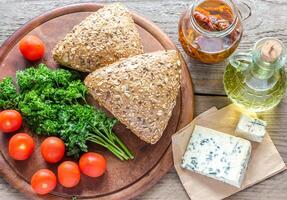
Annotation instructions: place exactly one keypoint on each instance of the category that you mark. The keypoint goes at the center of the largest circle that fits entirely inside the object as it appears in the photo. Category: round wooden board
(123, 180)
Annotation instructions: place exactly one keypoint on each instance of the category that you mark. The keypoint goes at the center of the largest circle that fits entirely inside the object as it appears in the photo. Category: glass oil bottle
(257, 80)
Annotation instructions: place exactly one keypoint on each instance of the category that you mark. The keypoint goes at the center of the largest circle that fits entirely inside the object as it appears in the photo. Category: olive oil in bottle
(257, 80)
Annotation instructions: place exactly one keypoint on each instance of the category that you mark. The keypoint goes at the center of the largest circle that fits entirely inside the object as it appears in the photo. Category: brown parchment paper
(265, 160)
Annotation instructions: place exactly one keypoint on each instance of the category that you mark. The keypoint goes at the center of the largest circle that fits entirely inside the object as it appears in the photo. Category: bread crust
(139, 91)
(101, 39)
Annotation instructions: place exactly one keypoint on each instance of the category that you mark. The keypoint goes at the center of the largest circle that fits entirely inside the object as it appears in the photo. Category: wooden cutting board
(123, 179)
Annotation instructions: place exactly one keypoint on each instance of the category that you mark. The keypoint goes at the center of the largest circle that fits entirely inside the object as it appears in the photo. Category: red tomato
(69, 174)
(43, 181)
(92, 164)
(32, 48)
(21, 146)
(10, 121)
(53, 149)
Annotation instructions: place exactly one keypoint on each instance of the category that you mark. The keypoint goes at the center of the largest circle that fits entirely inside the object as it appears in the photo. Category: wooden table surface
(269, 18)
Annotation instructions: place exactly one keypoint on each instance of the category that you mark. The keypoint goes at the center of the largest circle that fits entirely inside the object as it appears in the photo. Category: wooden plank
(207, 78)
(170, 188)
(152, 167)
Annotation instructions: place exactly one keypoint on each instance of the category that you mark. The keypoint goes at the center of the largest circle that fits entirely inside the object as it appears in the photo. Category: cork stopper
(271, 50)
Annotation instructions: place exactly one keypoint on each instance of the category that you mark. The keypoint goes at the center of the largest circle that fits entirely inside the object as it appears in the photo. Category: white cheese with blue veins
(251, 128)
(217, 155)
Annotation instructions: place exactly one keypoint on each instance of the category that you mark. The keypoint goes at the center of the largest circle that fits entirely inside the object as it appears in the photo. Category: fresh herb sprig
(8, 94)
(53, 102)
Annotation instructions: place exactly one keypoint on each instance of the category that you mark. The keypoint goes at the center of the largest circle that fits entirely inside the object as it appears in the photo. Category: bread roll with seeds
(101, 39)
(139, 91)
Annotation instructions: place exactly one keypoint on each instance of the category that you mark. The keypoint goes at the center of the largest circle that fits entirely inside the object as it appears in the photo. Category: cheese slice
(251, 128)
(217, 155)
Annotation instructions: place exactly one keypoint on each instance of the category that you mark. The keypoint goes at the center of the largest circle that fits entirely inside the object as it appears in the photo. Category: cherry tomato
(92, 164)
(43, 181)
(21, 146)
(32, 48)
(69, 174)
(53, 149)
(10, 121)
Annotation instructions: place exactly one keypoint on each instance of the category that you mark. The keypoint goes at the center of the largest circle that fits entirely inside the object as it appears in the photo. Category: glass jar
(256, 81)
(210, 45)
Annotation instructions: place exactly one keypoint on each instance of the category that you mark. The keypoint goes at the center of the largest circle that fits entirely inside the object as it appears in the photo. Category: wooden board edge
(163, 166)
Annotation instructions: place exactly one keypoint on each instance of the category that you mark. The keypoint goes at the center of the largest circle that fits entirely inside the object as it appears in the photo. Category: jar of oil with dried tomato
(210, 30)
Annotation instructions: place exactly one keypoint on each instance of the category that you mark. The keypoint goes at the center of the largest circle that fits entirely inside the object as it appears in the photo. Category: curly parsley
(53, 102)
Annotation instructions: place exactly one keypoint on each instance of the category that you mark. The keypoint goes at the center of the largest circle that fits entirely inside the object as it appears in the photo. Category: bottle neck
(263, 70)
(263, 66)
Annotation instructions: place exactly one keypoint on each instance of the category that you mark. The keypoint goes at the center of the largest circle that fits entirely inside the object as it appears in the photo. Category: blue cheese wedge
(251, 128)
(217, 155)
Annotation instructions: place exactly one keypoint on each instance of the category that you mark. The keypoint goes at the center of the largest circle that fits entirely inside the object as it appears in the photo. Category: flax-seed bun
(139, 91)
(101, 39)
